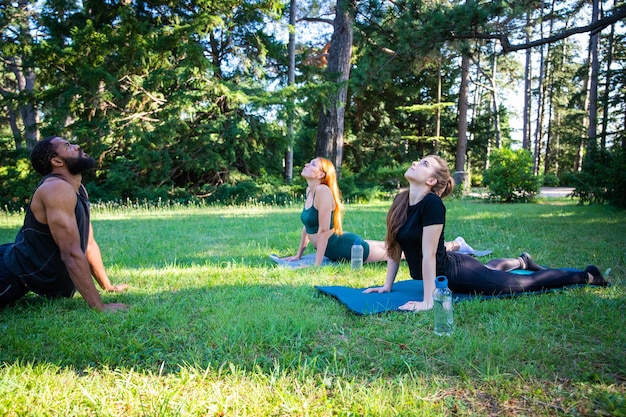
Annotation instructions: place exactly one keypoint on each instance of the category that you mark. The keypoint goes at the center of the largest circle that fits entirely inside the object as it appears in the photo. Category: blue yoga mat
(403, 291)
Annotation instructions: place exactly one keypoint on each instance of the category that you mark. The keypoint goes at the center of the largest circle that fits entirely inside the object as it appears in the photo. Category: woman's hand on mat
(416, 306)
(379, 290)
(291, 258)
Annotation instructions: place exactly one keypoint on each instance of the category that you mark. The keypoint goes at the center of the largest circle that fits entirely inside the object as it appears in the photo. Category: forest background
(218, 100)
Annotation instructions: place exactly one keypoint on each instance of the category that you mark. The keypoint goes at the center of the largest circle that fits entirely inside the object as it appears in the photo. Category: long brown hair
(396, 216)
(330, 179)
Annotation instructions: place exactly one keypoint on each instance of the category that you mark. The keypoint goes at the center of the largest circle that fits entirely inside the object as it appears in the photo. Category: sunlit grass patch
(216, 328)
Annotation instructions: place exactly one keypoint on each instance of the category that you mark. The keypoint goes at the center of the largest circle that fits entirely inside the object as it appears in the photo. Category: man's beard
(79, 165)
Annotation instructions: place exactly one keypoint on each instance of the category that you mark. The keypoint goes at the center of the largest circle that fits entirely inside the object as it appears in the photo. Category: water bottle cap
(441, 282)
(357, 242)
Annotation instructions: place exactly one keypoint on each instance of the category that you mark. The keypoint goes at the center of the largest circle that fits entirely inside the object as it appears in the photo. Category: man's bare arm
(59, 201)
(94, 257)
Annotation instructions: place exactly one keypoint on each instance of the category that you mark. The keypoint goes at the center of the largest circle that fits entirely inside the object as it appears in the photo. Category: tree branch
(316, 20)
(618, 14)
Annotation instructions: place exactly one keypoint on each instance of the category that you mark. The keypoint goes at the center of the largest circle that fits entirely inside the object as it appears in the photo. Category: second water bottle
(356, 259)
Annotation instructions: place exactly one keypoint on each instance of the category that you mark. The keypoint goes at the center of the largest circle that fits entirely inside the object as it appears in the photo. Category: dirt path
(555, 191)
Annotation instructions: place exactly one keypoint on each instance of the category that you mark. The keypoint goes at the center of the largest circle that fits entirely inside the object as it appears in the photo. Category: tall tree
(330, 134)
(526, 133)
(541, 101)
(617, 100)
(461, 145)
(167, 93)
(17, 63)
(291, 77)
(495, 101)
(607, 85)
(594, 68)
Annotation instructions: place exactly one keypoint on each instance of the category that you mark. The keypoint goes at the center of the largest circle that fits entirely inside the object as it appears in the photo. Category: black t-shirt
(428, 212)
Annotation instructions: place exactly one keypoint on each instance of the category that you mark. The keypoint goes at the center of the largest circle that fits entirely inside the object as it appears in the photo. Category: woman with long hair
(322, 216)
(415, 228)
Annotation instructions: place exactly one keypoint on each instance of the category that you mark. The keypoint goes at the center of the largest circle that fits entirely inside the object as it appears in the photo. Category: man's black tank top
(35, 257)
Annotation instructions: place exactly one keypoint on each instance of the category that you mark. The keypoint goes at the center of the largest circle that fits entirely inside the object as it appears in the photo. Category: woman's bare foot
(462, 245)
(529, 264)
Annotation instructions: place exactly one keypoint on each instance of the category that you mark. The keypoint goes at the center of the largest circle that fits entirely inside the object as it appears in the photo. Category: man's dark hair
(42, 154)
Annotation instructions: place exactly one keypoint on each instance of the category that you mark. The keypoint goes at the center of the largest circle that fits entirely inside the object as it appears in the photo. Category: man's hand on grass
(114, 307)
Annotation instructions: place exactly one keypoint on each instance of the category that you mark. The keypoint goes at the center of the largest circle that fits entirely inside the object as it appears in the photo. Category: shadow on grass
(258, 327)
(248, 325)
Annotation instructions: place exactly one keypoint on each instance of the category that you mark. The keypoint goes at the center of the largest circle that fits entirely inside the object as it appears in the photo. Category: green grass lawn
(216, 329)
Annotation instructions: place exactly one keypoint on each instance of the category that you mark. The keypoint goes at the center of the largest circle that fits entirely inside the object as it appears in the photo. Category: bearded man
(55, 253)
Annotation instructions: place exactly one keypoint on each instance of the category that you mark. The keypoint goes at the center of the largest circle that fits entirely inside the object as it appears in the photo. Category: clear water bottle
(442, 297)
(356, 258)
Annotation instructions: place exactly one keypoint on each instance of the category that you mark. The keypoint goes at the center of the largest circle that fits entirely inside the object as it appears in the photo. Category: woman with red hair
(321, 217)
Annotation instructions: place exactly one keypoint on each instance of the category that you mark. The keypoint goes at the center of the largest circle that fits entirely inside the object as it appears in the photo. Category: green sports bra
(310, 219)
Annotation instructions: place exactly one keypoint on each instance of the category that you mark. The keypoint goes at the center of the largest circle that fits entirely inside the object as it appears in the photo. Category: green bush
(17, 179)
(476, 180)
(459, 190)
(617, 177)
(550, 180)
(374, 183)
(510, 177)
(603, 178)
(243, 189)
(568, 179)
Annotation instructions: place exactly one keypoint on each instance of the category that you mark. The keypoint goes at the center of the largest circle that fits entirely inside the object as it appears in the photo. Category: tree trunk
(540, 107)
(291, 76)
(607, 85)
(580, 152)
(25, 80)
(494, 99)
(18, 139)
(438, 116)
(476, 111)
(593, 81)
(527, 89)
(330, 131)
(547, 159)
(546, 103)
(460, 176)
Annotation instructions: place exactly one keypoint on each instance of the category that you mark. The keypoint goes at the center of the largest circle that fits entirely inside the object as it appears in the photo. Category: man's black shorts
(11, 288)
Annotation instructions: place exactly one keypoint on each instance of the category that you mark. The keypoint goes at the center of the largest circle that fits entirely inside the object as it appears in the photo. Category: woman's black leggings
(468, 275)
